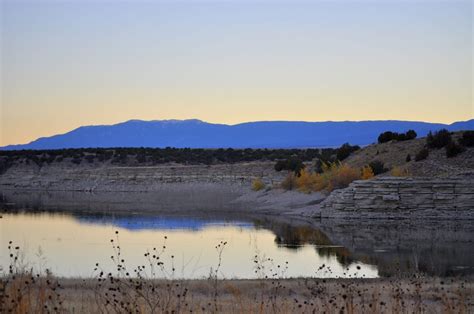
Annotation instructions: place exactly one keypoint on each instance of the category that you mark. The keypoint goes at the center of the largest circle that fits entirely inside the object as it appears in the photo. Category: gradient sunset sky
(70, 63)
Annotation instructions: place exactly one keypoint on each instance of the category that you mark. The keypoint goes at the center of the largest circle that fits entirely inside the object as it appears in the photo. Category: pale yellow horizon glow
(66, 65)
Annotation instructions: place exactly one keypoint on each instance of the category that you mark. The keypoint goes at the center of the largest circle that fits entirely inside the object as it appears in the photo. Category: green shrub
(385, 137)
(439, 139)
(389, 136)
(345, 150)
(291, 164)
(410, 135)
(453, 149)
(467, 139)
(422, 154)
(377, 167)
(408, 158)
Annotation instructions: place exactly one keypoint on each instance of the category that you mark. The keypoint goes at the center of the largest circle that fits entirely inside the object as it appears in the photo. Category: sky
(70, 63)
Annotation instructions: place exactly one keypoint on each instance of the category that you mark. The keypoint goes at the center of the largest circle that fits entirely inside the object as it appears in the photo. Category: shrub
(257, 184)
(467, 139)
(408, 158)
(342, 176)
(377, 167)
(422, 154)
(306, 182)
(367, 173)
(291, 164)
(389, 136)
(289, 183)
(345, 150)
(385, 137)
(439, 139)
(318, 166)
(335, 176)
(410, 135)
(4, 165)
(453, 149)
(399, 172)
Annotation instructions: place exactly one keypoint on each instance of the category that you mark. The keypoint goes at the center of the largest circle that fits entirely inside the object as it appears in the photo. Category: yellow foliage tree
(342, 175)
(306, 181)
(334, 176)
(367, 173)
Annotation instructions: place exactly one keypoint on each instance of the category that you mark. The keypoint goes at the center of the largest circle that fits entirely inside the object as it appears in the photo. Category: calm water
(53, 233)
(71, 245)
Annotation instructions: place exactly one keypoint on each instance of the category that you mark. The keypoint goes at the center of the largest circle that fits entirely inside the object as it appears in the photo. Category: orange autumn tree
(367, 173)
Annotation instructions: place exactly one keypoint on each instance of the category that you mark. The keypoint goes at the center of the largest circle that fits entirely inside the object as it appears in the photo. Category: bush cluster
(394, 136)
(345, 150)
(443, 138)
(334, 176)
(377, 167)
(422, 154)
(294, 165)
(438, 139)
(467, 139)
(154, 156)
(453, 149)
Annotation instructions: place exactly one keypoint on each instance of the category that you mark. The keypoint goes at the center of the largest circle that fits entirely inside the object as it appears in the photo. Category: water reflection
(70, 225)
(143, 222)
(72, 244)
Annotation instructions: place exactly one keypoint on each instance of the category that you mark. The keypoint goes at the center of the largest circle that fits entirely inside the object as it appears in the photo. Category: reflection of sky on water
(72, 246)
(164, 223)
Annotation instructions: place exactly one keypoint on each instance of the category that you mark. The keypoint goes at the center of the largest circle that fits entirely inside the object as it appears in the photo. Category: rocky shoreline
(391, 197)
(226, 187)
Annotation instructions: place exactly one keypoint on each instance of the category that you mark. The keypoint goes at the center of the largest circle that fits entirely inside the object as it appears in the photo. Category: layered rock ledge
(402, 198)
(109, 178)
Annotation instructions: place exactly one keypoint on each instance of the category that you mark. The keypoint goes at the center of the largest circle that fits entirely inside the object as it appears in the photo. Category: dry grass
(258, 184)
(419, 295)
(400, 172)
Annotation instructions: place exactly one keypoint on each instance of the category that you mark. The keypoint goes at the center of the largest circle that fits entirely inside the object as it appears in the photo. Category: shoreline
(203, 197)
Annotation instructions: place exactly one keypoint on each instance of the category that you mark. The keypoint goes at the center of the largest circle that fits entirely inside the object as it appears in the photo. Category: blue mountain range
(263, 134)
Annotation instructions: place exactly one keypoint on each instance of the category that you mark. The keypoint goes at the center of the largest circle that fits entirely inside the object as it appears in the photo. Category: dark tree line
(443, 139)
(394, 136)
(154, 156)
(295, 164)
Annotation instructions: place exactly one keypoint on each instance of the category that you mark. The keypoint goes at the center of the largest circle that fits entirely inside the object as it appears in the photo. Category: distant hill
(199, 134)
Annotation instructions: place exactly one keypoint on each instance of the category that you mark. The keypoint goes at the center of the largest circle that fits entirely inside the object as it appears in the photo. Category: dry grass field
(26, 294)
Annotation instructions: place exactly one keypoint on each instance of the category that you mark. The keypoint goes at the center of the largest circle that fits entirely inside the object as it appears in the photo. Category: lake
(70, 242)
